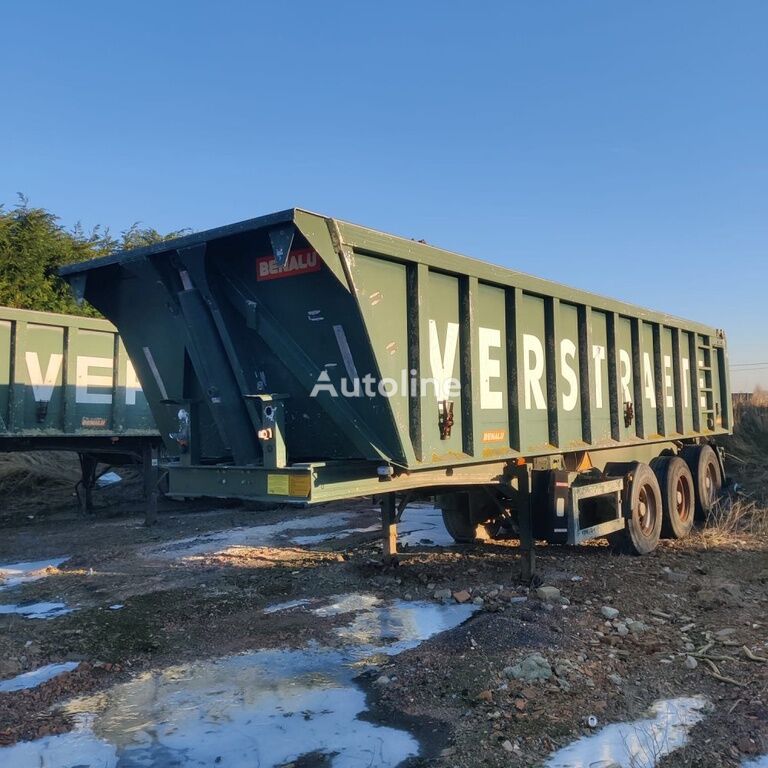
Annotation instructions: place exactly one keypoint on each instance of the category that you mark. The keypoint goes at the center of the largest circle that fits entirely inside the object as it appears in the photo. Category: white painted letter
(648, 385)
(668, 396)
(489, 369)
(598, 355)
(626, 374)
(533, 370)
(442, 364)
(85, 379)
(42, 386)
(132, 384)
(568, 350)
(686, 382)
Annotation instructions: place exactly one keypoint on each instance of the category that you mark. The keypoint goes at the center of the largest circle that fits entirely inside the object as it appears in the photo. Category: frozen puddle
(638, 744)
(13, 574)
(353, 602)
(43, 610)
(318, 538)
(338, 604)
(422, 524)
(265, 708)
(251, 536)
(37, 677)
(394, 627)
(286, 606)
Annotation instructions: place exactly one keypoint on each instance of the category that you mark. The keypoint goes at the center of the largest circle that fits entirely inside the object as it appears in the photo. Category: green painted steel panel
(492, 367)
(282, 303)
(685, 376)
(648, 385)
(444, 366)
(666, 379)
(67, 376)
(570, 425)
(600, 395)
(627, 374)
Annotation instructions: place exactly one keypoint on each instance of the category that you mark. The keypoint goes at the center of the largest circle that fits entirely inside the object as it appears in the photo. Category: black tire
(458, 521)
(707, 477)
(678, 496)
(642, 509)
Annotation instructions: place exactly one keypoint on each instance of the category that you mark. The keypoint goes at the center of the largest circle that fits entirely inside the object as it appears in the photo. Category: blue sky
(616, 146)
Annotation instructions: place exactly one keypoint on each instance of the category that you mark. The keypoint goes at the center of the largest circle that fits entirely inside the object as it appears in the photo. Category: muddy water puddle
(265, 708)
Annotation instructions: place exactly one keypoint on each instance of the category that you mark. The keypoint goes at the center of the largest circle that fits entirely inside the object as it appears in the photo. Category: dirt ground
(149, 598)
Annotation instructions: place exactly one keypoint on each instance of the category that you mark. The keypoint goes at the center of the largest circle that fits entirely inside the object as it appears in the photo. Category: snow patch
(42, 610)
(36, 677)
(637, 744)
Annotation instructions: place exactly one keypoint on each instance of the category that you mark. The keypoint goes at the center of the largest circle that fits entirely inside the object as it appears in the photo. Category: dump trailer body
(295, 357)
(65, 378)
(67, 384)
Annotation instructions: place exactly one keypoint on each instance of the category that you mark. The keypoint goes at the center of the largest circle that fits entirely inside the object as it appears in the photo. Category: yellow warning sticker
(300, 485)
(278, 485)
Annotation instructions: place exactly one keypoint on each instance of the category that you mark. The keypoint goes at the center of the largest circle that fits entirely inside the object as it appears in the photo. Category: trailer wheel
(458, 520)
(678, 497)
(707, 477)
(642, 509)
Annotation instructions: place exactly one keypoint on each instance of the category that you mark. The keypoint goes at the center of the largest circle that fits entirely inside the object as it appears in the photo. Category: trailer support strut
(522, 484)
(88, 465)
(149, 472)
(389, 526)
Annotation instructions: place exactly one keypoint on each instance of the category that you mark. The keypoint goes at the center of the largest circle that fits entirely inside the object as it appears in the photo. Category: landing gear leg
(149, 471)
(389, 527)
(522, 484)
(88, 466)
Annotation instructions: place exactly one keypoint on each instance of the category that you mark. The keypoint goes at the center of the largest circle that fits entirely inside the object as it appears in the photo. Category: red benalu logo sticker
(299, 262)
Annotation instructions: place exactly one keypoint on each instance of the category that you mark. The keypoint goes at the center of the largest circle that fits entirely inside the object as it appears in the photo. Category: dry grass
(42, 483)
(735, 517)
(31, 473)
(744, 512)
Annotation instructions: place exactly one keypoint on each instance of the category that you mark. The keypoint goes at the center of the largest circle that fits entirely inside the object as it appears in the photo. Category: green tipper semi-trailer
(298, 358)
(66, 383)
